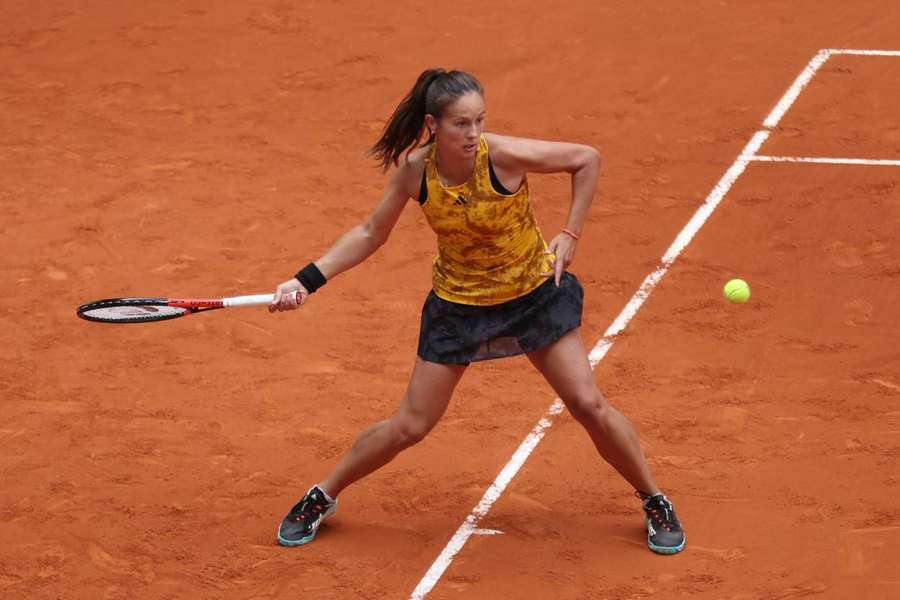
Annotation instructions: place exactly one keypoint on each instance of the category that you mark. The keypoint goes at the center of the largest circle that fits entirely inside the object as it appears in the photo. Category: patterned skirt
(452, 333)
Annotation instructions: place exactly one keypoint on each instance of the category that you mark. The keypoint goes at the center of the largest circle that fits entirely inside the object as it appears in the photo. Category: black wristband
(311, 277)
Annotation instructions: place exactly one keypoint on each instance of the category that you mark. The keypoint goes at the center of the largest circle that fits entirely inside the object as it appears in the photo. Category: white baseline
(824, 160)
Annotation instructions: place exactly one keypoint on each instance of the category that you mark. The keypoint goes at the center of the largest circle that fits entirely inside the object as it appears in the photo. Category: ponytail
(432, 92)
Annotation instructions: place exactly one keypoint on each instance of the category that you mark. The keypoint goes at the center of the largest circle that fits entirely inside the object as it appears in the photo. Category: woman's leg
(427, 396)
(564, 364)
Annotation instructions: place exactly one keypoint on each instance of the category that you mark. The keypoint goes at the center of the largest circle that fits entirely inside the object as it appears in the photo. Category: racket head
(131, 310)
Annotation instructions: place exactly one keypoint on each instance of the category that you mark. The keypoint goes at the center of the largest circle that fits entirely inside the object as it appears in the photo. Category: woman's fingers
(560, 267)
(289, 301)
(561, 251)
(552, 270)
(276, 301)
(551, 258)
(290, 295)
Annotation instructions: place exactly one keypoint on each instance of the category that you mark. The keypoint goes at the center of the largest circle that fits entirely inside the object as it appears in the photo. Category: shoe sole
(666, 549)
(292, 543)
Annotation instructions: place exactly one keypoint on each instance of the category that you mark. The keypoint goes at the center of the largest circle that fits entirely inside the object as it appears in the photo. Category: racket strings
(135, 312)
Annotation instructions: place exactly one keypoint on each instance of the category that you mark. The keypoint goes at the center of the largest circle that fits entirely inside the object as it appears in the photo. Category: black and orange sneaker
(301, 524)
(665, 535)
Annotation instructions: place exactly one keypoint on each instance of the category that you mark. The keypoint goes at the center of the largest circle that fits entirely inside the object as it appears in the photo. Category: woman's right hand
(289, 295)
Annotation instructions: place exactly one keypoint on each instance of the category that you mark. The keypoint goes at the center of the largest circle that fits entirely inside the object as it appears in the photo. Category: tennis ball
(737, 291)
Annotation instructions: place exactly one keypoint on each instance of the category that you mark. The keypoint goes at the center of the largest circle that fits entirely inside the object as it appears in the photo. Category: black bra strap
(498, 187)
(423, 189)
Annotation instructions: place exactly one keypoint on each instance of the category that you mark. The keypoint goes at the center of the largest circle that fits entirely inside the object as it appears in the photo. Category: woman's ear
(431, 124)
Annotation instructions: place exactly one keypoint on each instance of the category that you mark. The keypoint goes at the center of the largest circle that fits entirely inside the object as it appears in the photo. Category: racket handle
(255, 300)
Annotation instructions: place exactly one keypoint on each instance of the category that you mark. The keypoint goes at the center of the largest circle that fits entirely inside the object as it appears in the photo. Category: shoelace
(309, 507)
(655, 504)
(666, 522)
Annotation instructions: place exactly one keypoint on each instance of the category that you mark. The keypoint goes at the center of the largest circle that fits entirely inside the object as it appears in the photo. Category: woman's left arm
(538, 156)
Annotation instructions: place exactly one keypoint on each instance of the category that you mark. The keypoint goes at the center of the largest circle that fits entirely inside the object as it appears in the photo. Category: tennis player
(498, 289)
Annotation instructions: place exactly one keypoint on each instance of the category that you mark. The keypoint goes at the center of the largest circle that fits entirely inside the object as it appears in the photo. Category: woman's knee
(409, 430)
(588, 405)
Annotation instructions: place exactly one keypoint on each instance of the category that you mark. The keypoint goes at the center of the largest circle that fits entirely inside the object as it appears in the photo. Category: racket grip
(255, 300)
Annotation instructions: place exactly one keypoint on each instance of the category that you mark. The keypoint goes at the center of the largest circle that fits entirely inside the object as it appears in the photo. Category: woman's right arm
(358, 243)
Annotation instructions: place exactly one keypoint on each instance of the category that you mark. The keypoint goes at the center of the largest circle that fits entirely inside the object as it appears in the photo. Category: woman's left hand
(562, 252)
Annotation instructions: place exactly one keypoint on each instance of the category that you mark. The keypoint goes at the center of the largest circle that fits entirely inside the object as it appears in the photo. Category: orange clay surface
(210, 148)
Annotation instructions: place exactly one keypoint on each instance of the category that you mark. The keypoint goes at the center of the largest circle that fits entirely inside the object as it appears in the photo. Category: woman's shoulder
(414, 162)
(504, 144)
(412, 168)
(501, 147)
(495, 140)
(416, 158)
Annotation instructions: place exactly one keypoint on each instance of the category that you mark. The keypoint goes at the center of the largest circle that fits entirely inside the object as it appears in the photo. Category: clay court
(210, 149)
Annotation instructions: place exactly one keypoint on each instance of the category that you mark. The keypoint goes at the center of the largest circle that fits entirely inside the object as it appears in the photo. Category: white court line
(862, 52)
(469, 526)
(821, 160)
(807, 74)
(791, 94)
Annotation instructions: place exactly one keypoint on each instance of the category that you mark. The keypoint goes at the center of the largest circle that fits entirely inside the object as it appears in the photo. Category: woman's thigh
(565, 366)
(429, 391)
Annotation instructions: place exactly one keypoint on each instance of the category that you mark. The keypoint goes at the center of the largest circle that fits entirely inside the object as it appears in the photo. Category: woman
(498, 289)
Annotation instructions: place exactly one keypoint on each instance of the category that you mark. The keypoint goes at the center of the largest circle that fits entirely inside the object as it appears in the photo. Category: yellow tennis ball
(737, 291)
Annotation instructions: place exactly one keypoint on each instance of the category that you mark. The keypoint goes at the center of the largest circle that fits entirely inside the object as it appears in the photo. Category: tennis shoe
(665, 535)
(303, 521)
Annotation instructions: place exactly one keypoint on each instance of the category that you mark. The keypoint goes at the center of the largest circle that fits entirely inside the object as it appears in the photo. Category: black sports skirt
(453, 333)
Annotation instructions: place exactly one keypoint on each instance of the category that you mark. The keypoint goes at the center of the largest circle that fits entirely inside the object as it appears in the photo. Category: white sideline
(469, 526)
(791, 94)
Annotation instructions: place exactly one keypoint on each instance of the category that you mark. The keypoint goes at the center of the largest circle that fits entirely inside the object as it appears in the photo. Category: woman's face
(458, 130)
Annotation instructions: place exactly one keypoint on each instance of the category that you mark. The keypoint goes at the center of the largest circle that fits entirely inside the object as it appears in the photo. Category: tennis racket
(146, 310)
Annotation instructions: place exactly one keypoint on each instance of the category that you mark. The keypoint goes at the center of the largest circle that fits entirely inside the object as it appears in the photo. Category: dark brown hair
(434, 90)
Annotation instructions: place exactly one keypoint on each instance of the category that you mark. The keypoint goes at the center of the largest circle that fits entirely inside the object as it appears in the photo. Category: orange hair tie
(572, 233)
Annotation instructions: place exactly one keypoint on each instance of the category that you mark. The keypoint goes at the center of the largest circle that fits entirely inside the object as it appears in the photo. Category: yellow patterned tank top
(490, 249)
